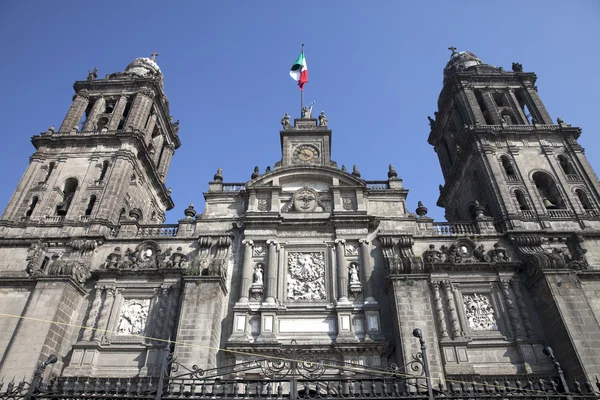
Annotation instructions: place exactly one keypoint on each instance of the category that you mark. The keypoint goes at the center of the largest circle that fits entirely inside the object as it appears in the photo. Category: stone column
(272, 272)
(171, 312)
(246, 271)
(490, 104)
(367, 270)
(517, 108)
(97, 109)
(140, 109)
(537, 108)
(80, 103)
(90, 323)
(150, 127)
(452, 309)
(512, 310)
(439, 308)
(342, 269)
(100, 331)
(165, 161)
(115, 118)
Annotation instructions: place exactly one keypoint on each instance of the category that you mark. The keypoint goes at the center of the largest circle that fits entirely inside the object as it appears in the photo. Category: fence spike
(441, 386)
(452, 387)
(506, 385)
(279, 390)
(396, 389)
(1, 383)
(589, 386)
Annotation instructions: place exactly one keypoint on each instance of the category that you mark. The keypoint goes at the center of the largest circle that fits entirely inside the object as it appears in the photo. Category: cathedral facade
(307, 253)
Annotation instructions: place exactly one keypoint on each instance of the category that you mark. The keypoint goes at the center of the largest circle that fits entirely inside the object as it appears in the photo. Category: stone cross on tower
(452, 49)
(153, 56)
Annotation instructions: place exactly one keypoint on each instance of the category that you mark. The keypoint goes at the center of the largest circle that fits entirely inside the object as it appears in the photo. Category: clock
(305, 153)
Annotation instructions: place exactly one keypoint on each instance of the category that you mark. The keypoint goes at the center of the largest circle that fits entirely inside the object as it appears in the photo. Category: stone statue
(323, 119)
(431, 122)
(354, 273)
(517, 67)
(285, 121)
(559, 121)
(258, 275)
(92, 74)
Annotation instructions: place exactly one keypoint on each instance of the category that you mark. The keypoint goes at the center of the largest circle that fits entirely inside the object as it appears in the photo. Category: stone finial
(190, 212)
(344, 168)
(268, 169)
(559, 121)
(421, 210)
(170, 190)
(392, 174)
(478, 209)
(441, 187)
(92, 74)
(431, 122)
(285, 121)
(355, 171)
(50, 130)
(255, 174)
(517, 67)
(323, 121)
(218, 177)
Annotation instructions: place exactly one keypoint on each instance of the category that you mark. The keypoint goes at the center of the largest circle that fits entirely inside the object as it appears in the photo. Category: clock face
(305, 153)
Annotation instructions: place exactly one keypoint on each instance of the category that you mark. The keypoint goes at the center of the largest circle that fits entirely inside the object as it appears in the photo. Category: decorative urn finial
(355, 171)
(255, 174)
(392, 174)
(421, 210)
(190, 212)
(218, 176)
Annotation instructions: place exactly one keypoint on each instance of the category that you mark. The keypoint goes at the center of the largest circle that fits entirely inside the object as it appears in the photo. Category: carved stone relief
(258, 250)
(263, 205)
(306, 276)
(348, 204)
(305, 200)
(133, 317)
(352, 249)
(480, 313)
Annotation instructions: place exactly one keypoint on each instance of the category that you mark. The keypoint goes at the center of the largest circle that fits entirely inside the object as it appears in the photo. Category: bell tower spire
(109, 159)
(499, 149)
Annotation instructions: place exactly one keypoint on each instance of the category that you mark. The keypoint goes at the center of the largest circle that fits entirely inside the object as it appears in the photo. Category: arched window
(585, 202)
(50, 169)
(548, 191)
(125, 114)
(482, 106)
(32, 205)
(90, 207)
(521, 200)
(566, 165)
(508, 168)
(103, 172)
(68, 193)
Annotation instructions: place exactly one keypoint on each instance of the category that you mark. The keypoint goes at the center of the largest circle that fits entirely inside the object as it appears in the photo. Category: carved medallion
(133, 317)
(305, 200)
(480, 313)
(306, 276)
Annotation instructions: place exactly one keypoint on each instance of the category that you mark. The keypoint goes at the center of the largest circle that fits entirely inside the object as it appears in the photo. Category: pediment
(320, 178)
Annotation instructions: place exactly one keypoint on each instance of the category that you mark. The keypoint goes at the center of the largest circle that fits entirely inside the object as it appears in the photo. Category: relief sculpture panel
(306, 276)
(133, 317)
(480, 313)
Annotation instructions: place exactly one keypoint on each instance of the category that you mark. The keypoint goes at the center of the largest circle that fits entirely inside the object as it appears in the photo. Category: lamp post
(548, 352)
(37, 375)
(419, 334)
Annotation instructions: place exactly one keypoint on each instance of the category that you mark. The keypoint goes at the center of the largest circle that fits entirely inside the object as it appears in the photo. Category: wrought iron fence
(295, 374)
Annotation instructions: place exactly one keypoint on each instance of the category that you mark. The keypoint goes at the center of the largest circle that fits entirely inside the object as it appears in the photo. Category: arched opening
(102, 123)
(523, 206)
(483, 107)
(523, 104)
(125, 114)
(548, 191)
(32, 205)
(51, 167)
(507, 117)
(566, 165)
(90, 207)
(583, 199)
(103, 172)
(508, 168)
(68, 193)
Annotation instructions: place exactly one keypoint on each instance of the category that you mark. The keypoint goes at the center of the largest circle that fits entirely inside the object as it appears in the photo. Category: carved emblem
(258, 250)
(79, 270)
(348, 204)
(480, 313)
(498, 254)
(133, 317)
(306, 276)
(263, 205)
(305, 200)
(351, 249)
(35, 258)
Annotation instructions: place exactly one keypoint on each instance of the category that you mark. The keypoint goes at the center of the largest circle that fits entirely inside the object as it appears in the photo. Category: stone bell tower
(107, 162)
(503, 157)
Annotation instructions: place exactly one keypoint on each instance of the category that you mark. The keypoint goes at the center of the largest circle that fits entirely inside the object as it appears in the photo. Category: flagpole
(301, 90)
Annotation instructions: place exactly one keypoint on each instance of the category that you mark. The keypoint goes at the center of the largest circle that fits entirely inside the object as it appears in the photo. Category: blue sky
(375, 68)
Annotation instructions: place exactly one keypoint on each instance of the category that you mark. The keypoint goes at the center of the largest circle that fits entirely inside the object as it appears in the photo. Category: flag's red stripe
(303, 79)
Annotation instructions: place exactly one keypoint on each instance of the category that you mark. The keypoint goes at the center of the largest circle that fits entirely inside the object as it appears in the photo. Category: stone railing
(54, 219)
(512, 178)
(516, 127)
(378, 185)
(167, 230)
(234, 187)
(84, 218)
(527, 214)
(573, 177)
(454, 228)
(560, 213)
(591, 213)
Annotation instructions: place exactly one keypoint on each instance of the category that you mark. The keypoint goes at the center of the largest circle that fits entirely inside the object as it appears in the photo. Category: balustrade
(560, 213)
(158, 230)
(454, 228)
(378, 185)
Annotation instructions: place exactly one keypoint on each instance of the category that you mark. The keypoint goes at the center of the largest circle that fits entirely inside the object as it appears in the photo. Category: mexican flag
(299, 71)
